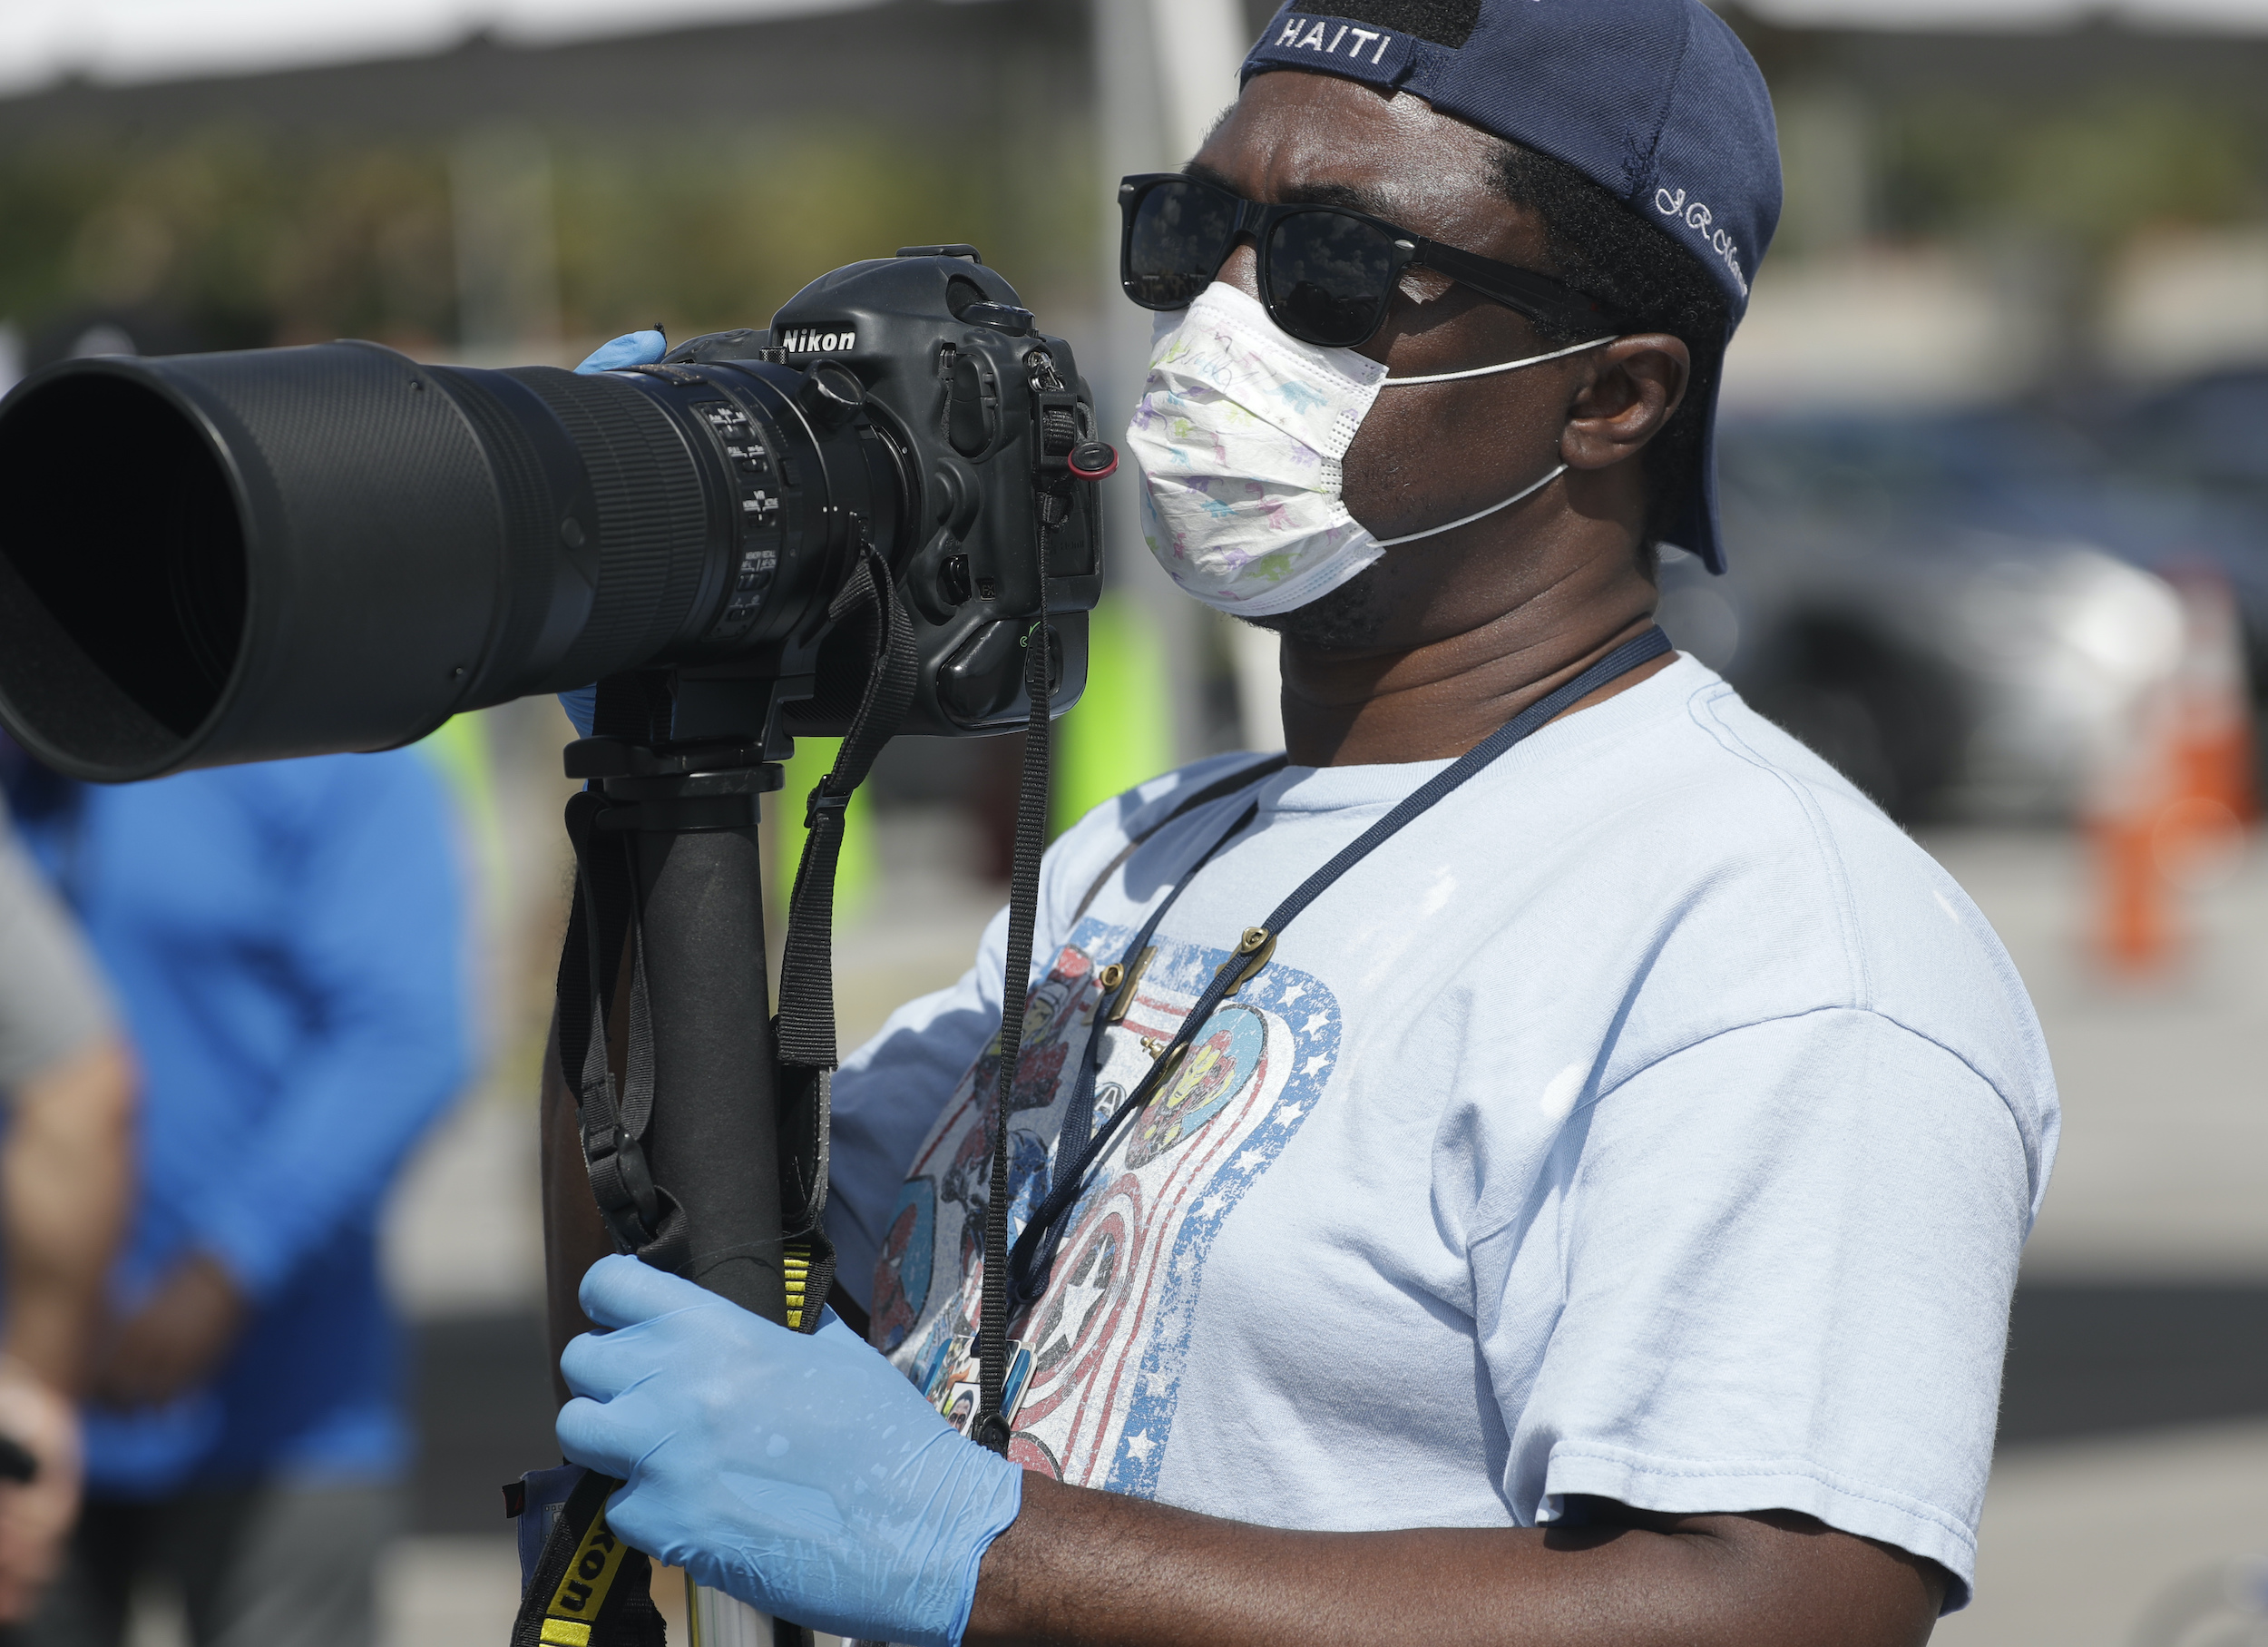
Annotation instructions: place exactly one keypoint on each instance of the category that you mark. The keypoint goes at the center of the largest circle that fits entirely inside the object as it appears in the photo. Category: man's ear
(1635, 385)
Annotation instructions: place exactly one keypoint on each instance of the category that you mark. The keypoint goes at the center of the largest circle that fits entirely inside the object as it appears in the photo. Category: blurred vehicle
(2196, 454)
(2210, 433)
(1958, 610)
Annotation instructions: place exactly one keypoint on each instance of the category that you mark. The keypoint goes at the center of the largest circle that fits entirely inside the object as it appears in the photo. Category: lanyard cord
(1033, 1255)
(1078, 1115)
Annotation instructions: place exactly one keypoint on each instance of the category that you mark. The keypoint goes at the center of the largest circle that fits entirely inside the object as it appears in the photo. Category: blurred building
(2014, 190)
(2028, 193)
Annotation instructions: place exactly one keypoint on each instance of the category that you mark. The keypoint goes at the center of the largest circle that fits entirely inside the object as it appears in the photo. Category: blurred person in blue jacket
(66, 1176)
(285, 941)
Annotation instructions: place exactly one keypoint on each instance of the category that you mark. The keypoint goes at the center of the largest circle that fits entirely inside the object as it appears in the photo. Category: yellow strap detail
(564, 1633)
(583, 1590)
(796, 1269)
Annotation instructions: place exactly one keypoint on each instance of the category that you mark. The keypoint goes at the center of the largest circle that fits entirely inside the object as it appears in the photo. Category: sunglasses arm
(1539, 297)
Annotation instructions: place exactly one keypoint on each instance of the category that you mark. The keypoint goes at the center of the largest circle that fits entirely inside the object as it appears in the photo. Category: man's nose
(1242, 270)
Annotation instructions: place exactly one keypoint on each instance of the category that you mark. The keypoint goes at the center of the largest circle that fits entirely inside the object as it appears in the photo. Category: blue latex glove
(803, 1476)
(582, 706)
(632, 348)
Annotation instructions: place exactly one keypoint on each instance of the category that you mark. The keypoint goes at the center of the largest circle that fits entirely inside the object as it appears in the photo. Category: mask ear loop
(1509, 365)
(1388, 542)
(1483, 371)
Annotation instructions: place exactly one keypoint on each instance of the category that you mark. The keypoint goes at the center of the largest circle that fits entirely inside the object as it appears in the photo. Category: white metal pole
(718, 1619)
(1164, 72)
(1200, 46)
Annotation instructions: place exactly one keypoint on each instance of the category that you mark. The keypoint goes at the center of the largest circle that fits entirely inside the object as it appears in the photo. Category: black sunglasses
(1327, 275)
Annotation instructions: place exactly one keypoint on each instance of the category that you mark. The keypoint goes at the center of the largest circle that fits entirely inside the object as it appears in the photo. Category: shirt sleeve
(53, 1001)
(375, 948)
(1785, 1258)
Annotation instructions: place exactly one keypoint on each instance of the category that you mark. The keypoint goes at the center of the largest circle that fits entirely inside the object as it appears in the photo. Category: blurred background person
(65, 1169)
(286, 944)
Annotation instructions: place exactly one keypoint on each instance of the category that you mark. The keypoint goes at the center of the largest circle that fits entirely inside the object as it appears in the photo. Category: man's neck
(1436, 700)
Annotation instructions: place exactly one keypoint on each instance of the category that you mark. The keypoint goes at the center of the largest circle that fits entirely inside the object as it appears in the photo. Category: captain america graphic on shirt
(1106, 1337)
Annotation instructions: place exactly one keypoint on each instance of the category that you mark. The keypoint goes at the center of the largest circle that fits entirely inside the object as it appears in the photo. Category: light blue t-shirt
(1651, 1118)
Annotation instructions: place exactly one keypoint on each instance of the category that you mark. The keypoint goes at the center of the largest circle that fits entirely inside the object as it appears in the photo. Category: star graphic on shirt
(1290, 1116)
(1316, 1021)
(1293, 992)
(1316, 1065)
(1140, 1445)
(1079, 1298)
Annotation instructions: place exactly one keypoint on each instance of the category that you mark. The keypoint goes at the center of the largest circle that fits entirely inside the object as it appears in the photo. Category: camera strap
(804, 1031)
(1034, 1254)
(643, 1218)
(587, 1588)
(990, 1428)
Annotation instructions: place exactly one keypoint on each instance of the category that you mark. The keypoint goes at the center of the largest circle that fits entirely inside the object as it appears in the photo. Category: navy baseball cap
(1655, 100)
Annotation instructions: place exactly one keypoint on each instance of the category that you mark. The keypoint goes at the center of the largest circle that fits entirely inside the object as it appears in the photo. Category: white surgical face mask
(1240, 432)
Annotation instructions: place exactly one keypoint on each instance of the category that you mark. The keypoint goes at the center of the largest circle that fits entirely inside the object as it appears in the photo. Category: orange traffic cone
(2171, 809)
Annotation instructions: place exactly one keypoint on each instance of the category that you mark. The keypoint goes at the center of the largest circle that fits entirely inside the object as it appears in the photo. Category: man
(65, 1171)
(285, 940)
(1593, 1218)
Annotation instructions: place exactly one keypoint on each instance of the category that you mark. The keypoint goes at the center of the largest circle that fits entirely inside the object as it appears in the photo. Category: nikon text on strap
(589, 1589)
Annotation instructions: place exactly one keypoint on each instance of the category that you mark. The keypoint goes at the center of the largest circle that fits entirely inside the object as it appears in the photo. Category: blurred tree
(2052, 191)
(718, 230)
(245, 235)
(242, 237)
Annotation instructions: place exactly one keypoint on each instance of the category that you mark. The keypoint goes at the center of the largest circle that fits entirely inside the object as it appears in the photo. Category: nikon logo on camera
(817, 340)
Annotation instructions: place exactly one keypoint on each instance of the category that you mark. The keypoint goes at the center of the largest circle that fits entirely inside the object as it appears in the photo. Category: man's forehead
(1309, 139)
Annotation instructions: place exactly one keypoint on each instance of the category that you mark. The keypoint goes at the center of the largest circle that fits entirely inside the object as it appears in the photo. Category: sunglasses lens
(1177, 242)
(1328, 276)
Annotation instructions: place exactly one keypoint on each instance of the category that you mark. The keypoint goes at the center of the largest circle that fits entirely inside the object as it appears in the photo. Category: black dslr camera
(227, 557)
(880, 516)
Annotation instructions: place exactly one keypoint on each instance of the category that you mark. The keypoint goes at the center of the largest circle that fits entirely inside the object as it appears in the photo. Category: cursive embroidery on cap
(1699, 218)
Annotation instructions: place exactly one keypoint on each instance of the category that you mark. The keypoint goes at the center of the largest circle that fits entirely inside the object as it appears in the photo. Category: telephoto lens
(270, 553)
